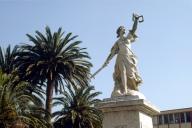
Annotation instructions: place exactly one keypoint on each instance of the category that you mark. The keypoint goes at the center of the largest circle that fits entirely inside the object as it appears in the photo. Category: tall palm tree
(17, 104)
(78, 109)
(7, 58)
(52, 59)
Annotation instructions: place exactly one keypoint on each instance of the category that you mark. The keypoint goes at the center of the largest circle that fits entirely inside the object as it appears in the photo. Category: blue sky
(164, 46)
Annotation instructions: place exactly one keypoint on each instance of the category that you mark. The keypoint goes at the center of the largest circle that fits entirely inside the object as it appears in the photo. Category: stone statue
(126, 76)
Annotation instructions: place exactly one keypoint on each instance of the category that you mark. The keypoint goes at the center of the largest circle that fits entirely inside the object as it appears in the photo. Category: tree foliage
(17, 104)
(54, 61)
(6, 59)
(78, 109)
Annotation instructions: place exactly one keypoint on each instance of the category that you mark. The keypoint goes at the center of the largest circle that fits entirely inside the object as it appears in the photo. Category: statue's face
(122, 32)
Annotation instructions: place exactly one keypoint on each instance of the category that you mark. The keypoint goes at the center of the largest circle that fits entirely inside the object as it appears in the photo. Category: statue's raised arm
(136, 19)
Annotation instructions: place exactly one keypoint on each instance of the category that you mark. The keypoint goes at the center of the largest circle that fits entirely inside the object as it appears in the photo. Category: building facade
(177, 118)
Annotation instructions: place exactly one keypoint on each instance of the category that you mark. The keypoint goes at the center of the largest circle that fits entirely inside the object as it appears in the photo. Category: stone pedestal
(127, 112)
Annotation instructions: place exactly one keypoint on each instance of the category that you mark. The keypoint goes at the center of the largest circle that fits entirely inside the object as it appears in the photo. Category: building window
(160, 119)
(166, 119)
(171, 119)
(177, 118)
(188, 117)
(182, 116)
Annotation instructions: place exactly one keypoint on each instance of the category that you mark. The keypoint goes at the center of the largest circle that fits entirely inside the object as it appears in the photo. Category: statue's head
(120, 31)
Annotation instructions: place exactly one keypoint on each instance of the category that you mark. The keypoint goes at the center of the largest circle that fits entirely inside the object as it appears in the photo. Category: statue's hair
(118, 30)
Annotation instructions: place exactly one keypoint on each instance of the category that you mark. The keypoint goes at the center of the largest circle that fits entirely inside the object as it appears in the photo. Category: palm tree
(52, 59)
(78, 109)
(7, 58)
(18, 105)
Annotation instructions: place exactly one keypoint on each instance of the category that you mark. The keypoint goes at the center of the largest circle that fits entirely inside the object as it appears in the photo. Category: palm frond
(17, 103)
(79, 112)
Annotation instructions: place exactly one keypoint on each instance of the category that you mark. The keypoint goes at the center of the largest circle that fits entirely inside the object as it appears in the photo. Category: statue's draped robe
(126, 76)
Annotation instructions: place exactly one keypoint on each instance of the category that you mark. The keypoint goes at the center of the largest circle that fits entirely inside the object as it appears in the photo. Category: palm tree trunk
(49, 94)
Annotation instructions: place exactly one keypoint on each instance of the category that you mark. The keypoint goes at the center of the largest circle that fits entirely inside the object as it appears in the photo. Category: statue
(126, 76)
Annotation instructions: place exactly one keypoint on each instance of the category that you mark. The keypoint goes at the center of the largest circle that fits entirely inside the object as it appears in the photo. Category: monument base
(127, 112)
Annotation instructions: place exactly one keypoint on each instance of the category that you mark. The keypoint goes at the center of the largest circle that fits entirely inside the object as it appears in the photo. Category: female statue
(126, 76)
